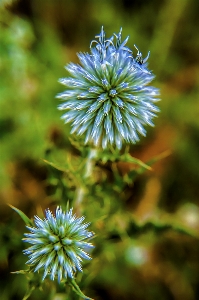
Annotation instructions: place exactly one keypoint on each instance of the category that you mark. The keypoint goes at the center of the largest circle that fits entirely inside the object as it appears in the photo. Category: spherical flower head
(108, 98)
(58, 244)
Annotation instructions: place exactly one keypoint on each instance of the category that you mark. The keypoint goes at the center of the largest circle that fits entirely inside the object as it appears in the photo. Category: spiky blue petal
(108, 98)
(58, 244)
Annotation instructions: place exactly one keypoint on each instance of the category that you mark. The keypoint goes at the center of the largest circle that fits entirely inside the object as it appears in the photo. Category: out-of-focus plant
(25, 79)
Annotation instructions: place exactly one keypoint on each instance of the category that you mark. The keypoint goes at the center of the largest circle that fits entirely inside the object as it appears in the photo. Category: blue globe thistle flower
(108, 98)
(58, 244)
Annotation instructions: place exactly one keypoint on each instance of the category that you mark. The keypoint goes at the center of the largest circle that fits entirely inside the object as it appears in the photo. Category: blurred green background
(37, 38)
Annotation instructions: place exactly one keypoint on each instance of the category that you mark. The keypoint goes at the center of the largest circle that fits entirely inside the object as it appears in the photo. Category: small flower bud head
(58, 244)
(108, 98)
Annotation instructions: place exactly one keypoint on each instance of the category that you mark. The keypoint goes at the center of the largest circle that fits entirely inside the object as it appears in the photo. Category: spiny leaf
(29, 292)
(77, 144)
(130, 177)
(159, 157)
(22, 215)
(126, 157)
(54, 165)
(160, 227)
(77, 290)
(131, 159)
(69, 170)
(23, 272)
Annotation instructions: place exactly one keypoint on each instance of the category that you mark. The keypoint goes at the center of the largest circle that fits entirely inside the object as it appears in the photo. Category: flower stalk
(88, 171)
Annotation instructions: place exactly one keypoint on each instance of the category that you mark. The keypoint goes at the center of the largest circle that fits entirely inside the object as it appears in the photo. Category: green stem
(87, 173)
(28, 293)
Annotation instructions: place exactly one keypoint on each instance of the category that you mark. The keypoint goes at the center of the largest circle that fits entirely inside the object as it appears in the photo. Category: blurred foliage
(146, 222)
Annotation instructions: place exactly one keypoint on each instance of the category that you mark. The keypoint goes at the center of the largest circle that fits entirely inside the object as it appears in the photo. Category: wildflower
(108, 98)
(58, 244)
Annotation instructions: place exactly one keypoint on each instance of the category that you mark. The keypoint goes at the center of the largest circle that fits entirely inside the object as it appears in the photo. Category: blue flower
(108, 98)
(58, 244)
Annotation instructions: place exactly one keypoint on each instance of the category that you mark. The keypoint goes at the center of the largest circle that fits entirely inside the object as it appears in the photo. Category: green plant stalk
(88, 170)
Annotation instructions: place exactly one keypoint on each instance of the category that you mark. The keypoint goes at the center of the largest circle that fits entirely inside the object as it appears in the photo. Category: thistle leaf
(126, 157)
(54, 165)
(76, 289)
(130, 177)
(22, 215)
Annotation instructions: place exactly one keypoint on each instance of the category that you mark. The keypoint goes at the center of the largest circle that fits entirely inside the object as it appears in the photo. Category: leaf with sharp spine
(22, 215)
